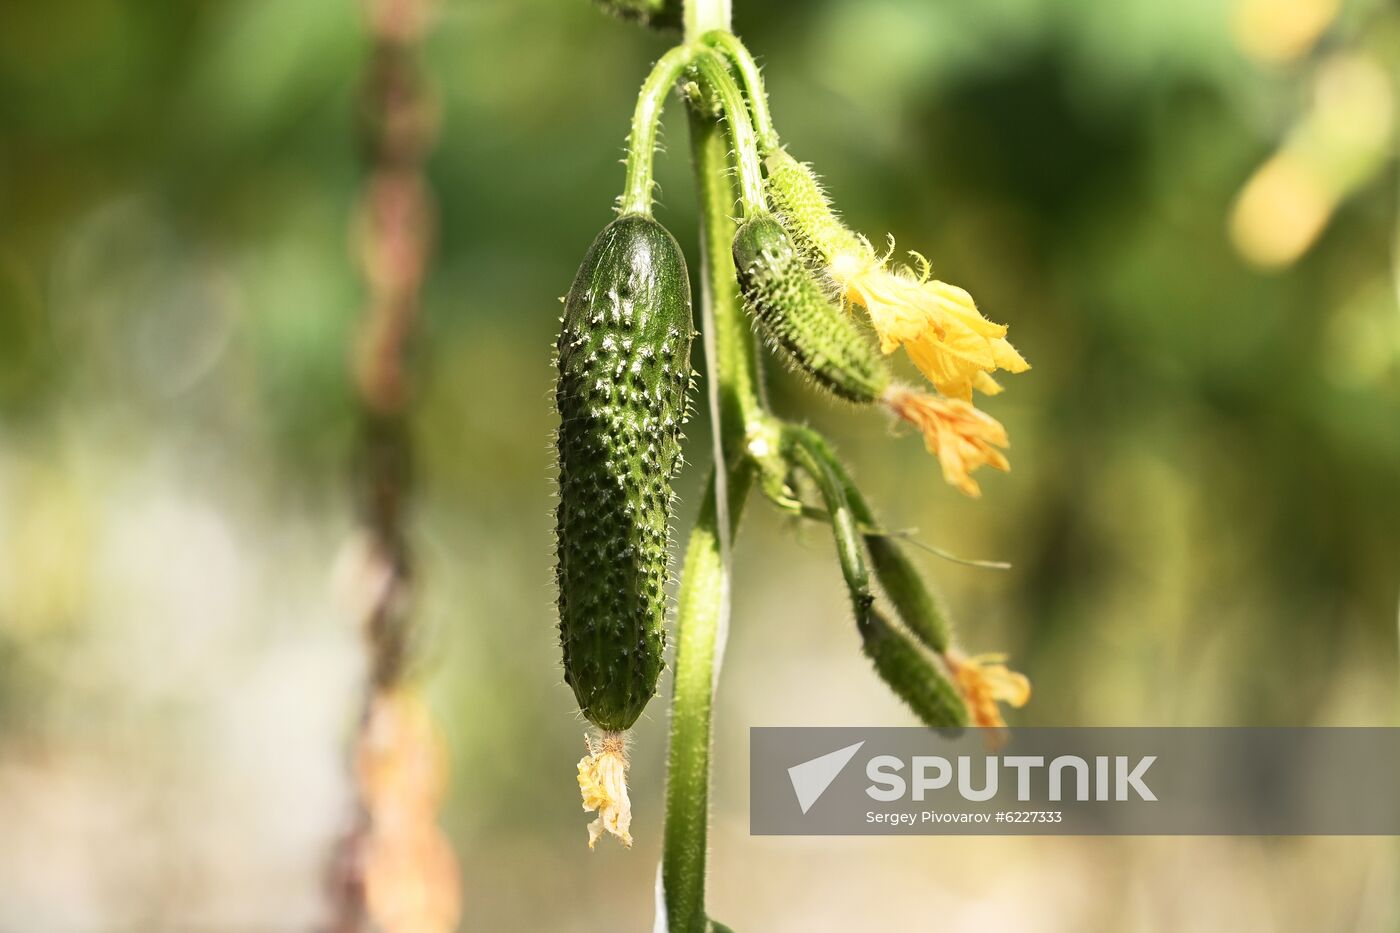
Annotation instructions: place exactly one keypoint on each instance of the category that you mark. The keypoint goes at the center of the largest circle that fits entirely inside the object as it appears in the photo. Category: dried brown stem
(394, 870)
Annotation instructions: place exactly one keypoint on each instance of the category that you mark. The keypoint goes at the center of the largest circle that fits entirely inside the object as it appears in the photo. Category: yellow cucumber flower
(938, 324)
(962, 437)
(602, 779)
(985, 680)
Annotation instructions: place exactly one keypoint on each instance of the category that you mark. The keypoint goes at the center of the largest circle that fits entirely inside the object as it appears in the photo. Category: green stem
(812, 457)
(702, 16)
(703, 603)
(735, 384)
(714, 71)
(898, 660)
(735, 404)
(918, 608)
(739, 56)
(641, 141)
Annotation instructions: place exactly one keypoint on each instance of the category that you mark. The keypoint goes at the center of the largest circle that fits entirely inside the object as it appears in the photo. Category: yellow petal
(938, 324)
(1006, 357)
(962, 437)
(985, 680)
(957, 303)
(986, 384)
(602, 780)
(952, 366)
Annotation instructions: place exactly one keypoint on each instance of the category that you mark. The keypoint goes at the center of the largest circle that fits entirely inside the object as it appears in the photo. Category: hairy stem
(918, 608)
(703, 604)
(702, 16)
(715, 73)
(747, 69)
(641, 141)
(701, 619)
(735, 384)
(811, 457)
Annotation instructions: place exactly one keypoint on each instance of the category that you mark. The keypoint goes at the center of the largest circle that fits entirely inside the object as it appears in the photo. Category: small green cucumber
(796, 317)
(911, 674)
(916, 604)
(624, 370)
(806, 212)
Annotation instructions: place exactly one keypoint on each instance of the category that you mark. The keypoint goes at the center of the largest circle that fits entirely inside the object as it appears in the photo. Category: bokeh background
(1186, 211)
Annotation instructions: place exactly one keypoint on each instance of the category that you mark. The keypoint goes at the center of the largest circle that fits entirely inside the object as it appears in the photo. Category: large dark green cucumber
(624, 368)
(795, 315)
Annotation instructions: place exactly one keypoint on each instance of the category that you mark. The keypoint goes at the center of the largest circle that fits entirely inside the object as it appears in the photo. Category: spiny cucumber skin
(918, 606)
(624, 370)
(911, 675)
(795, 316)
(806, 212)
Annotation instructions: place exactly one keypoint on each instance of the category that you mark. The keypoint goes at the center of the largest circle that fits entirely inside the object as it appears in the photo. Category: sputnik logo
(811, 778)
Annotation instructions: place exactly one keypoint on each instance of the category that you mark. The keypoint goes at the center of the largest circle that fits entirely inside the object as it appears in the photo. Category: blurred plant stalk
(394, 871)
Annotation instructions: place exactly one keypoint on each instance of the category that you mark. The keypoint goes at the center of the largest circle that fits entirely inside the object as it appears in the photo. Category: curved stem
(714, 71)
(736, 384)
(641, 141)
(918, 608)
(900, 662)
(738, 54)
(811, 457)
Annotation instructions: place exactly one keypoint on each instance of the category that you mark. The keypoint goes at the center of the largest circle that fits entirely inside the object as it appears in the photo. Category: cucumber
(795, 316)
(910, 674)
(624, 372)
(797, 196)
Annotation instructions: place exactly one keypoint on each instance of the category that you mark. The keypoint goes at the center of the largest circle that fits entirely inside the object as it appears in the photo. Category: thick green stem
(715, 73)
(641, 141)
(703, 603)
(702, 16)
(736, 389)
(735, 405)
(747, 69)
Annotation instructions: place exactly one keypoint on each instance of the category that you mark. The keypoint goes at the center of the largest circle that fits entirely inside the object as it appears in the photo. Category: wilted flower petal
(985, 680)
(602, 779)
(962, 437)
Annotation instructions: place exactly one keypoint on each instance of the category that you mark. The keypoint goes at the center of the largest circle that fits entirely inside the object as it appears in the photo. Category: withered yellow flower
(938, 324)
(602, 779)
(985, 680)
(961, 436)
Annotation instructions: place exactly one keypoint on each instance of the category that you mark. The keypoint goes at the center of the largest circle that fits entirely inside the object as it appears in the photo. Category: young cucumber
(624, 368)
(796, 317)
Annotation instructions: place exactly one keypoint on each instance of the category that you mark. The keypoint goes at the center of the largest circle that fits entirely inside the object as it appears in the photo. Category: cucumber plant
(833, 309)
